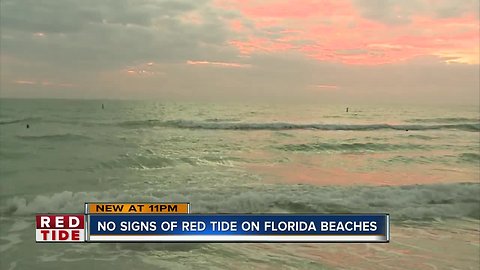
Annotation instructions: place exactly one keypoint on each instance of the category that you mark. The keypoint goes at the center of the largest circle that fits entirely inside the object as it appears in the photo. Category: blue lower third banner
(238, 228)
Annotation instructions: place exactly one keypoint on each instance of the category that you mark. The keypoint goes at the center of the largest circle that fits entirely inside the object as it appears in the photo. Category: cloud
(69, 16)
(218, 64)
(105, 34)
(24, 82)
(402, 11)
(325, 86)
(45, 83)
(143, 69)
(272, 49)
(352, 32)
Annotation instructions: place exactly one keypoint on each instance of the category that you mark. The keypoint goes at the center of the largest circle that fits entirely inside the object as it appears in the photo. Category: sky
(347, 51)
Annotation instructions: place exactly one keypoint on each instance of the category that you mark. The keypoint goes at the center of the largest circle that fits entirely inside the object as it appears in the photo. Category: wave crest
(290, 126)
(444, 120)
(404, 203)
(350, 147)
(54, 137)
(22, 120)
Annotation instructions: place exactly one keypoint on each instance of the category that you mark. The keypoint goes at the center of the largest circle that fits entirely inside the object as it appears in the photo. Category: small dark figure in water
(103, 107)
(346, 109)
(406, 129)
(28, 126)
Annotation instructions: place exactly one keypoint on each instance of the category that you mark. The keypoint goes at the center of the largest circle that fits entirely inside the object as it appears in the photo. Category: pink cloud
(24, 82)
(237, 26)
(218, 64)
(325, 86)
(287, 9)
(254, 44)
(44, 83)
(336, 31)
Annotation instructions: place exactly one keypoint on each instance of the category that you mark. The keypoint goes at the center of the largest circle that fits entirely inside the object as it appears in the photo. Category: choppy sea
(421, 164)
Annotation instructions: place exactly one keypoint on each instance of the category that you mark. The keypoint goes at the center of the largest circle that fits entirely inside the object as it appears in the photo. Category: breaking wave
(154, 161)
(465, 124)
(22, 120)
(444, 120)
(291, 126)
(404, 203)
(350, 147)
(222, 120)
(422, 137)
(54, 137)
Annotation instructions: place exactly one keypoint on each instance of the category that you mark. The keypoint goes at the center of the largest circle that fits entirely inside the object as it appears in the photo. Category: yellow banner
(137, 208)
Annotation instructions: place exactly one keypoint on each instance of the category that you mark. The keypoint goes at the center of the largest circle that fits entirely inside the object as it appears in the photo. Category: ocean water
(420, 164)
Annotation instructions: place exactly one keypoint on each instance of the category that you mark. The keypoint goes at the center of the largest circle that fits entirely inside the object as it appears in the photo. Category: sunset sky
(314, 50)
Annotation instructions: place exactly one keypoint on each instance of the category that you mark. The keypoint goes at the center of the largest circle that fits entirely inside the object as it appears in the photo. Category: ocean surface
(420, 164)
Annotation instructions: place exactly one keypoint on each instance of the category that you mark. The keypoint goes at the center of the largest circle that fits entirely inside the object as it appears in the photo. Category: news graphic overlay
(53, 228)
(60, 228)
(238, 228)
(137, 208)
(173, 222)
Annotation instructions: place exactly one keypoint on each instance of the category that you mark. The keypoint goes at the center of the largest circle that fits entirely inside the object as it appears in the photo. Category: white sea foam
(404, 203)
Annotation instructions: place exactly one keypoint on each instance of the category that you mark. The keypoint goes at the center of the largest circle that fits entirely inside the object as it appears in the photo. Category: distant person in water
(103, 107)
(346, 109)
(28, 126)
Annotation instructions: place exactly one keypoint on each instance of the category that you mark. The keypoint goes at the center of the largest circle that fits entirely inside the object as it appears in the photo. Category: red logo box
(60, 228)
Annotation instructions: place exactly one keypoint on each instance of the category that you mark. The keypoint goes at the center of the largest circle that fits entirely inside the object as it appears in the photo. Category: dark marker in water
(28, 126)
(346, 109)
(103, 107)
